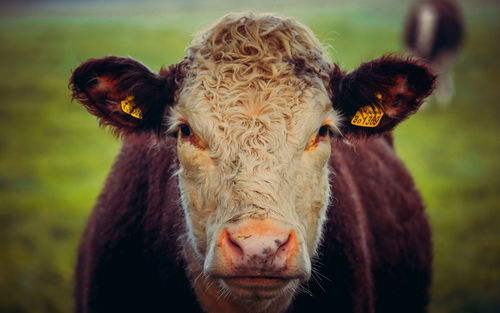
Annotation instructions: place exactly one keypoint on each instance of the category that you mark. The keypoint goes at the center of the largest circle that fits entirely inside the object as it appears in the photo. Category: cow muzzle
(257, 258)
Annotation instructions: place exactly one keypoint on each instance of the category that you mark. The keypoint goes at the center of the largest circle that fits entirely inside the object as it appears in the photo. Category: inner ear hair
(392, 86)
(123, 93)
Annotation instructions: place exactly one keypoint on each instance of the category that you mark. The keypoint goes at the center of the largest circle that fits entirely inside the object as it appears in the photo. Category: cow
(434, 31)
(255, 176)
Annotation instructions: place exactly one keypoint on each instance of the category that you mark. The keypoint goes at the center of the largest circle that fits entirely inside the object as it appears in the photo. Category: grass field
(54, 158)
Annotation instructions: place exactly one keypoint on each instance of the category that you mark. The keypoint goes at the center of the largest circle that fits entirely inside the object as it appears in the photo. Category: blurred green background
(54, 158)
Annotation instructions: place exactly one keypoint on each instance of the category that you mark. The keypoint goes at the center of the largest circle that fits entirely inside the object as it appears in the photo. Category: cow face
(253, 107)
(253, 145)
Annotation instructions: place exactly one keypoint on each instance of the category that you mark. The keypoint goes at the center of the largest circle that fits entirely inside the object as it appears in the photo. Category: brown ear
(123, 93)
(380, 94)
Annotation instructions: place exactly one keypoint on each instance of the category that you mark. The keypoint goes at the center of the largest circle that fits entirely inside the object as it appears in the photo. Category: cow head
(253, 107)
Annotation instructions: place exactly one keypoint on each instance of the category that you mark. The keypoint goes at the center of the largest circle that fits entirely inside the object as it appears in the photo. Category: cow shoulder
(130, 250)
(381, 179)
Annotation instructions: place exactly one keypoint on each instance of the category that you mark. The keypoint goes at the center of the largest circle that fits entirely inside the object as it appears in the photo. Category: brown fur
(403, 84)
(101, 84)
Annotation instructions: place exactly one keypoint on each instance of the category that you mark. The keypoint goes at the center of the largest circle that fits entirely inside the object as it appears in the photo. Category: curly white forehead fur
(246, 64)
(255, 92)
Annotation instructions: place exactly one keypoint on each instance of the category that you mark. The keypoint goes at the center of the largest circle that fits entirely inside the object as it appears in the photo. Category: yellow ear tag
(129, 107)
(369, 115)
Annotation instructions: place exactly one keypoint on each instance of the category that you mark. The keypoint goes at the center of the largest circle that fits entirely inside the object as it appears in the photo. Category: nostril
(284, 246)
(234, 243)
(231, 244)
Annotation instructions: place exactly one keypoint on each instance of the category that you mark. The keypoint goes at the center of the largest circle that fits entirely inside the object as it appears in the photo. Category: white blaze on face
(426, 28)
(259, 114)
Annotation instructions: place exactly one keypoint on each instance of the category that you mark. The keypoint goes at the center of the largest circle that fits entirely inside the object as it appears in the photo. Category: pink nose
(259, 247)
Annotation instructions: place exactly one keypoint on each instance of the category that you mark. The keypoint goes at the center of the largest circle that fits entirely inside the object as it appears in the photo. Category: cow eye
(314, 142)
(185, 130)
(323, 131)
(186, 134)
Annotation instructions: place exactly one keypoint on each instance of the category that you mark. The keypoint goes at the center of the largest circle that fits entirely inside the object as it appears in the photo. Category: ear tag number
(369, 115)
(129, 107)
